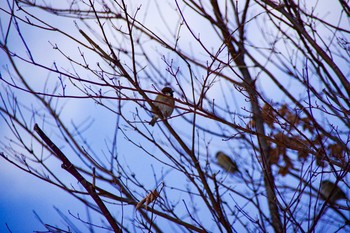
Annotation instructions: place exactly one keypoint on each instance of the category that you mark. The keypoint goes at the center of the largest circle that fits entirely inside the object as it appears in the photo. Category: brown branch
(67, 165)
(238, 55)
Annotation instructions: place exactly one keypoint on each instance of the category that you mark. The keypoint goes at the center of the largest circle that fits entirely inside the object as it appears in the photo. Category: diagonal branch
(67, 165)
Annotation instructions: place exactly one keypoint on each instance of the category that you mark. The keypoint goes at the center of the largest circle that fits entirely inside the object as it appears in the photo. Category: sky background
(22, 194)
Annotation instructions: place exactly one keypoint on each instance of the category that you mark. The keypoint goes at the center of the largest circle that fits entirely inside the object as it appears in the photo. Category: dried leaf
(302, 155)
(283, 170)
(320, 158)
(283, 110)
(306, 123)
(268, 115)
(274, 156)
(336, 151)
(294, 142)
(148, 199)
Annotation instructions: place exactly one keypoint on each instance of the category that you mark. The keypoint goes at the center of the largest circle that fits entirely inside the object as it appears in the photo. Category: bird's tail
(154, 120)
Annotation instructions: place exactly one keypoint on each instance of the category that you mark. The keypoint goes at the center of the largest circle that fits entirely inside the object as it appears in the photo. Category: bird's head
(167, 91)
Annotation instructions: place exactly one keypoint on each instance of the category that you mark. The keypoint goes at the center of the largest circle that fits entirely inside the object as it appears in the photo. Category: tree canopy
(264, 82)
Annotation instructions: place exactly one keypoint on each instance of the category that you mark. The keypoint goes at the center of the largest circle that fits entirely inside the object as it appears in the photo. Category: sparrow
(165, 103)
(226, 162)
(329, 188)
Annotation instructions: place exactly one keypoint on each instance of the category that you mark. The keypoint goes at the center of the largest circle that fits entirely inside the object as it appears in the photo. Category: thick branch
(238, 54)
(67, 165)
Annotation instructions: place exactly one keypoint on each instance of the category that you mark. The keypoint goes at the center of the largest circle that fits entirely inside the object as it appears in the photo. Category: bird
(226, 162)
(329, 188)
(165, 103)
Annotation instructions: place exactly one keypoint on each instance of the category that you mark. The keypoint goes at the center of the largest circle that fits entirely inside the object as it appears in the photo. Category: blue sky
(25, 194)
